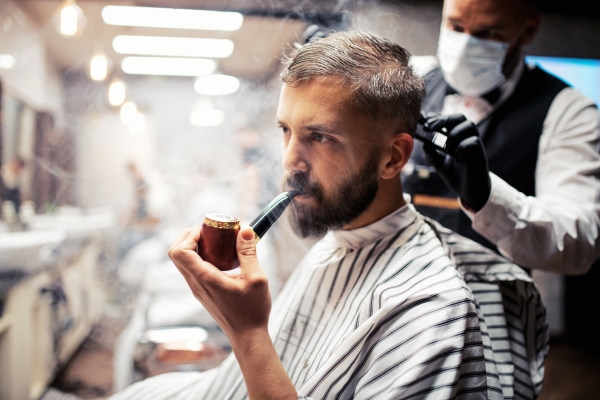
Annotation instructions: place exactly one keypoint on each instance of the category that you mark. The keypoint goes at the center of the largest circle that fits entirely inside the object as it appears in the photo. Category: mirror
(18, 153)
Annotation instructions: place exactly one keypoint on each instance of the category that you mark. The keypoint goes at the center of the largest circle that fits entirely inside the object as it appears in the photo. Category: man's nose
(293, 157)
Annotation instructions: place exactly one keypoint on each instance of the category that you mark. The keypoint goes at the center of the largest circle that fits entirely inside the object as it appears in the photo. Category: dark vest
(510, 135)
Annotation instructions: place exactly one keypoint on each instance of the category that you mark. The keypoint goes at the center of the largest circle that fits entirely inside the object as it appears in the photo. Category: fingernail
(247, 234)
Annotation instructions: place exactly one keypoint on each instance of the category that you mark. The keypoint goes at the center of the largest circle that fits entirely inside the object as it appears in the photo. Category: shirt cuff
(467, 211)
(499, 216)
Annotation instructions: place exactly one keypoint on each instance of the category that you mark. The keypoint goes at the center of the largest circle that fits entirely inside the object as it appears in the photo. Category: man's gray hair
(377, 71)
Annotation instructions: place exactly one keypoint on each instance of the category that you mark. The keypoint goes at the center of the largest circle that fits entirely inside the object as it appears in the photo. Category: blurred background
(124, 122)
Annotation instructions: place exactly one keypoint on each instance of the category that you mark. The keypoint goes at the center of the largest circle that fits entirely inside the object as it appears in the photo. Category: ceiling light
(7, 61)
(203, 114)
(168, 66)
(116, 92)
(69, 20)
(173, 46)
(172, 18)
(217, 85)
(99, 66)
(137, 124)
(128, 111)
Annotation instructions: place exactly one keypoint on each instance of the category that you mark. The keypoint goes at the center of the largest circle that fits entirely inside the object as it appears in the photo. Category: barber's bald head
(500, 20)
(511, 21)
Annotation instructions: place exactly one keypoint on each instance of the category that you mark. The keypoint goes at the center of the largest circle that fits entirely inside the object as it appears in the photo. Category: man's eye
(317, 137)
(489, 35)
(284, 130)
(457, 28)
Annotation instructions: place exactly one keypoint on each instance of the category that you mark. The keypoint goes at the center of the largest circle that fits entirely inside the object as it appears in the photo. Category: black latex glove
(315, 32)
(312, 33)
(465, 168)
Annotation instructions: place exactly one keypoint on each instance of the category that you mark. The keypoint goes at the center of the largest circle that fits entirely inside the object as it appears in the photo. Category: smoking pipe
(267, 217)
(217, 244)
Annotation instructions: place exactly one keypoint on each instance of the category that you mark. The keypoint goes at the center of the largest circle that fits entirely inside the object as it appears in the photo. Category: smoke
(234, 167)
(79, 166)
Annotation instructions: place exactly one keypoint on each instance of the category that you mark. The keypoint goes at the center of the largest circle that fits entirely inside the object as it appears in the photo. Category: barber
(525, 161)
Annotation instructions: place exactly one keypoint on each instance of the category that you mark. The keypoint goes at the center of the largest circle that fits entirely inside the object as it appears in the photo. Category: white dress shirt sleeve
(557, 230)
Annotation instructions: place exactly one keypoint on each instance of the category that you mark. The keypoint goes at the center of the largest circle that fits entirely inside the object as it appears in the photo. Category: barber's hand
(465, 169)
(239, 303)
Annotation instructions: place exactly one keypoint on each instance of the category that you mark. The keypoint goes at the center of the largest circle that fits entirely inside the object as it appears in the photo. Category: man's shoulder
(571, 98)
(475, 262)
(428, 292)
(543, 77)
(560, 96)
(571, 116)
(420, 272)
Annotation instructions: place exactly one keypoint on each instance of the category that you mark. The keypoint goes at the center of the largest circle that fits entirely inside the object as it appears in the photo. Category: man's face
(509, 21)
(332, 154)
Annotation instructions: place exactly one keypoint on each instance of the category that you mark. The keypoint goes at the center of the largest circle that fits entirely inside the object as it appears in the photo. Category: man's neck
(512, 61)
(388, 199)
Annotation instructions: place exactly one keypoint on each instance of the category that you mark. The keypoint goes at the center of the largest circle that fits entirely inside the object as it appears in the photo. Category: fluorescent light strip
(168, 66)
(172, 18)
(173, 46)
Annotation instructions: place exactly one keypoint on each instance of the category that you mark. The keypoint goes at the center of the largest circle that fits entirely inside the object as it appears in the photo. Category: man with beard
(383, 306)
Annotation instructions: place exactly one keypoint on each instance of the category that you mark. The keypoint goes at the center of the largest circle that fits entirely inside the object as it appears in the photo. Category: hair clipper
(426, 135)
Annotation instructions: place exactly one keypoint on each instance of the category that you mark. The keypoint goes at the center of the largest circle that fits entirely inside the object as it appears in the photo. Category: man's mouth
(302, 195)
(300, 184)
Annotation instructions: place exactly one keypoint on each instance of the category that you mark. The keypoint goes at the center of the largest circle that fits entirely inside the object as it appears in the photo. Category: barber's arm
(558, 229)
(241, 305)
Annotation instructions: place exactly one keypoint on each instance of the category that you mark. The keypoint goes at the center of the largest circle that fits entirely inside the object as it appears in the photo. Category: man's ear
(398, 151)
(531, 29)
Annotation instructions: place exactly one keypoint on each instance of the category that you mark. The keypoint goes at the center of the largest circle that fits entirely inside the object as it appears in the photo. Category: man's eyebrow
(314, 128)
(480, 27)
(321, 128)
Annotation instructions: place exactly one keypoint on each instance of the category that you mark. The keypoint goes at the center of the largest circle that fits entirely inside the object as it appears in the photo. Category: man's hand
(465, 168)
(239, 303)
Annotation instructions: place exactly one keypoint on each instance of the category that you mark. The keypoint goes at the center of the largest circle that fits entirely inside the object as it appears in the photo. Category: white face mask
(470, 65)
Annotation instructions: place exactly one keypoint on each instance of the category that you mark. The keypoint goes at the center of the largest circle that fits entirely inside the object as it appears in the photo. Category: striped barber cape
(399, 309)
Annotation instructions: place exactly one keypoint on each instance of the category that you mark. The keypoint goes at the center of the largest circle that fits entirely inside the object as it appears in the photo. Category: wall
(32, 85)
(105, 146)
(34, 78)
(181, 162)
(416, 26)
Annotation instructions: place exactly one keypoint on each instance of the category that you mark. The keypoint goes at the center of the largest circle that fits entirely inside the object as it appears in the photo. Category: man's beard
(347, 202)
